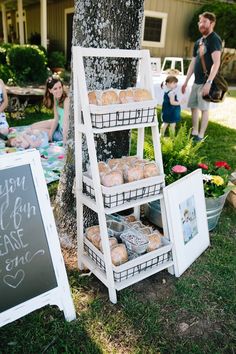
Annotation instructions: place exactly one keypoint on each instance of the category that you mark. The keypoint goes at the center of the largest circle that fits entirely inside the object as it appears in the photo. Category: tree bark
(100, 24)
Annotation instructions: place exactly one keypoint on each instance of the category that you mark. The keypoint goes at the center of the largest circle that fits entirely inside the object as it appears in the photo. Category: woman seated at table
(55, 97)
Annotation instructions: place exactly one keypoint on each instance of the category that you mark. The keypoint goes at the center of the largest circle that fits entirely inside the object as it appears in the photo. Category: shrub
(5, 73)
(4, 48)
(56, 59)
(28, 63)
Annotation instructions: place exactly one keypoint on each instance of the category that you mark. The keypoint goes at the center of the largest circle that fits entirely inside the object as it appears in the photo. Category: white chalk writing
(26, 259)
(21, 209)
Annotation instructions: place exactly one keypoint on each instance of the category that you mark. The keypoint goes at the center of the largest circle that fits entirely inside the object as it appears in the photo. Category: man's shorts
(195, 99)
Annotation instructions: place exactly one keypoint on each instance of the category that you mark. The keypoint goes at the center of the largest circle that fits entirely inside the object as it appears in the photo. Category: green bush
(3, 59)
(4, 48)
(56, 59)
(5, 73)
(28, 64)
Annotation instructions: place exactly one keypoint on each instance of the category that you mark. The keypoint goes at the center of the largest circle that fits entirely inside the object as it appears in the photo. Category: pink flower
(203, 166)
(222, 164)
(179, 169)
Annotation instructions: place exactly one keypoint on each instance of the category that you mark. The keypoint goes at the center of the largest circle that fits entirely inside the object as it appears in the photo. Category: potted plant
(216, 188)
(182, 156)
(56, 61)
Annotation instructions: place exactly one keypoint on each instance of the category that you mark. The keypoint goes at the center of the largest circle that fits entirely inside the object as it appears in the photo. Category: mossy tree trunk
(100, 24)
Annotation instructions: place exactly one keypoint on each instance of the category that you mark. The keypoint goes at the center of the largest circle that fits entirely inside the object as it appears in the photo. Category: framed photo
(187, 220)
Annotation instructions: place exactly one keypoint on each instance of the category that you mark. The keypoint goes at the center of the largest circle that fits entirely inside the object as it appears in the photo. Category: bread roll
(132, 174)
(141, 95)
(112, 241)
(119, 254)
(103, 168)
(109, 97)
(112, 163)
(154, 241)
(130, 218)
(113, 178)
(150, 170)
(92, 97)
(130, 160)
(90, 231)
(140, 162)
(126, 96)
(93, 235)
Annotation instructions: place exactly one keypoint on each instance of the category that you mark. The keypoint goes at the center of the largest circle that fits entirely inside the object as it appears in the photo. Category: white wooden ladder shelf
(95, 121)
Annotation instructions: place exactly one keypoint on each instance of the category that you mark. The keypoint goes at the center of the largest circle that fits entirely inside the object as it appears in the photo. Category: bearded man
(209, 46)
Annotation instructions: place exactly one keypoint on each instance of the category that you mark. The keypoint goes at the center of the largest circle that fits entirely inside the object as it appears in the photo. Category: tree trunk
(100, 24)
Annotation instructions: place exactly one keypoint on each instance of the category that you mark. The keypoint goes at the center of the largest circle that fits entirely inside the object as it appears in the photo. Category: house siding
(55, 22)
(180, 13)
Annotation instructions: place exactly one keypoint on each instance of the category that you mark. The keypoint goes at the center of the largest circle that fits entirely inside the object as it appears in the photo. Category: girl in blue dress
(170, 105)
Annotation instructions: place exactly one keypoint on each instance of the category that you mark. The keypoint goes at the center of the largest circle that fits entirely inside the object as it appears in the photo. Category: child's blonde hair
(169, 80)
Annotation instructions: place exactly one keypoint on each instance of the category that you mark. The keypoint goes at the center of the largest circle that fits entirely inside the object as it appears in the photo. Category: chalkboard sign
(30, 257)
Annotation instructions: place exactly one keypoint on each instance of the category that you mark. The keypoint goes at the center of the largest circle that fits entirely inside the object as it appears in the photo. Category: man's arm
(216, 55)
(189, 74)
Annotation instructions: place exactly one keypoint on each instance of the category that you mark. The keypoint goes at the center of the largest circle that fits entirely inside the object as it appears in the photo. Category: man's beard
(204, 31)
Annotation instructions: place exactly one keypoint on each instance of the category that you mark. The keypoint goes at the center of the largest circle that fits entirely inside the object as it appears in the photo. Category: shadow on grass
(46, 331)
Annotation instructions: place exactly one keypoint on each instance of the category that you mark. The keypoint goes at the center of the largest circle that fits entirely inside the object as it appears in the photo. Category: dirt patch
(196, 327)
(70, 258)
(156, 287)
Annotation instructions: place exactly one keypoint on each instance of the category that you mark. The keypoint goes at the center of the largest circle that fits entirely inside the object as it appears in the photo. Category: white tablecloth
(159, 92)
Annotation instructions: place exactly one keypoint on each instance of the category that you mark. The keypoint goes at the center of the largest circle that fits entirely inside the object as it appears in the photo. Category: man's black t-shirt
(211, 43)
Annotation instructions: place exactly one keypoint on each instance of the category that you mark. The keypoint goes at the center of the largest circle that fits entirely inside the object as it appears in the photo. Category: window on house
(154, 29)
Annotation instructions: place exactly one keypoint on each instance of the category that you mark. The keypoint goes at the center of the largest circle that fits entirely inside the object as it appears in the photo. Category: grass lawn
(232, 93)
(162, 314)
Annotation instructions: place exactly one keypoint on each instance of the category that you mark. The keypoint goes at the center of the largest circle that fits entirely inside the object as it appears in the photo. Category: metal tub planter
(214, 208)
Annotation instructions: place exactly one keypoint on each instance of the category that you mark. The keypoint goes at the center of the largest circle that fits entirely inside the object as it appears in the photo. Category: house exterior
(168, 19)
(165, 24)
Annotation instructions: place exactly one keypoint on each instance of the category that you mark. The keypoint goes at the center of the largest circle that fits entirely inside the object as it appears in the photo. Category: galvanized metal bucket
(152, 212)
(214, 208)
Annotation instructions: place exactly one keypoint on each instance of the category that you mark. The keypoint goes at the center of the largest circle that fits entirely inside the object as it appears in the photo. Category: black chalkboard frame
(60, 294)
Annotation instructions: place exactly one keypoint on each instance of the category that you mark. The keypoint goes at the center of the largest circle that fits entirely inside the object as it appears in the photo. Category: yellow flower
(217, 180)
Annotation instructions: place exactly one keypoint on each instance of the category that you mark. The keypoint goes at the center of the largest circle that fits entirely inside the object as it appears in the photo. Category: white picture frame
(187, 220)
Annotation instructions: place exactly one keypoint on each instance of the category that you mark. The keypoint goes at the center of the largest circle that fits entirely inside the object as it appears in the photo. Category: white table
(159, 92)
